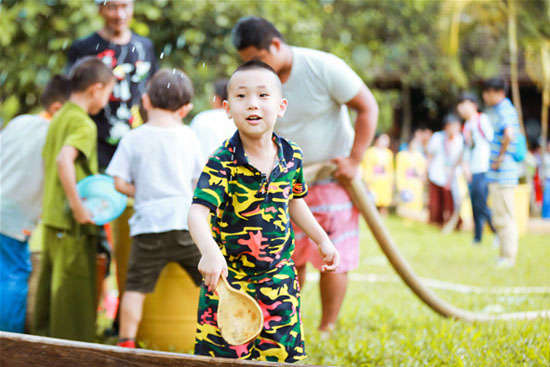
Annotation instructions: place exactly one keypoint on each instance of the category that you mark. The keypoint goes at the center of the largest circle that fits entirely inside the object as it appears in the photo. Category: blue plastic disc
(101, 198)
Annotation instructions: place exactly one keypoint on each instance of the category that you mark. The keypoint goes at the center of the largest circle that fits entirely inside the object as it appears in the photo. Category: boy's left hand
(331, 257)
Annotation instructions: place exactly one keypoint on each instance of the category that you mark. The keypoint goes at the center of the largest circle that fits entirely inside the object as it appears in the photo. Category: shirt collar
(237, 149)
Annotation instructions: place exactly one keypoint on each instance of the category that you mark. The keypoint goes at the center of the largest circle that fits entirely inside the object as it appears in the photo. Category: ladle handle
(223, 288)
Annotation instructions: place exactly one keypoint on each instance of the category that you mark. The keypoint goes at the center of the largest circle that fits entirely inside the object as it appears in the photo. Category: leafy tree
(398, 41)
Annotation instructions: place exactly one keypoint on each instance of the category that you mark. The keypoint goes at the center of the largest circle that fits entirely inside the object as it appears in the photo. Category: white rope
(440, 284)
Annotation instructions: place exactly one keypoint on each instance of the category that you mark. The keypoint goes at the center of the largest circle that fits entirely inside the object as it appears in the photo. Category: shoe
(503, 262)
(126, 343)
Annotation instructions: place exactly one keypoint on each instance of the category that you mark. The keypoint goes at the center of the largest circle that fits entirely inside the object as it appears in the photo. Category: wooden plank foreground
(21, 350)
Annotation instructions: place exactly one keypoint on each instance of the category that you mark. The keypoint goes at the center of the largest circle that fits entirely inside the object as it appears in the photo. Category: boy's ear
(282, 107)
(217, 101)
(185, 109)
(227, 109)
(146, 101)
(54, 107)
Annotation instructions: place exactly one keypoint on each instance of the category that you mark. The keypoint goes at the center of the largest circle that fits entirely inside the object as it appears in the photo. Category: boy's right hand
(212, 266)
(81, 214)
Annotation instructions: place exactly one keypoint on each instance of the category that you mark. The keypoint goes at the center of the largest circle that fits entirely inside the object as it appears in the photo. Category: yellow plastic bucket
(122, 243)
(170, 313)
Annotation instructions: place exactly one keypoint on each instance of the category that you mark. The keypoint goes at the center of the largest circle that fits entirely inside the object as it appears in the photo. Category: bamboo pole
(360, 198)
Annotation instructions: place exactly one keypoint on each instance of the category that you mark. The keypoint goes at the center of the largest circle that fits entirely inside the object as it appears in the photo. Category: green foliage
(381, 40)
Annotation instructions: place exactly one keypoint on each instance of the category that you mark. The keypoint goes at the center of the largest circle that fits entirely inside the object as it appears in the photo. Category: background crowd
(480, 152)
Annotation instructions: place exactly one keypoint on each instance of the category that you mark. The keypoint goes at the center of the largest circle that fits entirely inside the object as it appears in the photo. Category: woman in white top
(444, 154)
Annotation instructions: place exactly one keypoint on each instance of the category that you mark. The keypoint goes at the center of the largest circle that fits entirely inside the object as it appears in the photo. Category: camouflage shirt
(250, 222)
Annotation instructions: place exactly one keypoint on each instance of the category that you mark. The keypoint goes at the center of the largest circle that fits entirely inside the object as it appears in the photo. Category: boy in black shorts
(158, 163)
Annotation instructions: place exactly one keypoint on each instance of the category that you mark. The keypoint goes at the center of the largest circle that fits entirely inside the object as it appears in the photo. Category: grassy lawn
(384, 324)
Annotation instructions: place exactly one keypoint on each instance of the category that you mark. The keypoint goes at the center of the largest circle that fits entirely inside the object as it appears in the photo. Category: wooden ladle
(240, 318)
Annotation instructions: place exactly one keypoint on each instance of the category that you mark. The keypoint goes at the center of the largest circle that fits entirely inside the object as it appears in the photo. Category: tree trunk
(407, 113)
(513, 45)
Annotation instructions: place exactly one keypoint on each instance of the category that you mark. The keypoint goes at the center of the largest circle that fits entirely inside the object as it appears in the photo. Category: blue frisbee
(101, 199)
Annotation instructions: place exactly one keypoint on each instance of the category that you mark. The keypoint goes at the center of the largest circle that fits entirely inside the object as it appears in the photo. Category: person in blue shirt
(503, 168)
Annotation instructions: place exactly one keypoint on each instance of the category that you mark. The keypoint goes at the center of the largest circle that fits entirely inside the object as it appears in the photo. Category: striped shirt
(503, 115)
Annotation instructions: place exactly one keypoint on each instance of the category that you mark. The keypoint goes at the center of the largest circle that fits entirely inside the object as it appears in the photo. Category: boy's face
(383, 141)
(271, 56)
(466, 109)
(117, 14)
(452, 128)
(492, 97)
(255, 101)
(100, 94)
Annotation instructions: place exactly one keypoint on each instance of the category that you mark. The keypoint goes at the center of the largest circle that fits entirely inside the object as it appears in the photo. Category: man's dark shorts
(152, 251)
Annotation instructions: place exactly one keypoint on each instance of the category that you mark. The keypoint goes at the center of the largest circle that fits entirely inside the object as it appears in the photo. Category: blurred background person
(444, 156)
(377, 171)
(410, 171)
(477, 133)
(212, 127)
(133, 60)
(504, 167)
(545, 180)
(21, 187)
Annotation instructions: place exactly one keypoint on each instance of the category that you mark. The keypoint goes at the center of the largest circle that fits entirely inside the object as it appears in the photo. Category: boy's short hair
(254, 31)
(450, 118)
(220, 88)
(170, 89)
(88, 71)
(496, 84)
(257, 64)
(58, 89)
(468, 96)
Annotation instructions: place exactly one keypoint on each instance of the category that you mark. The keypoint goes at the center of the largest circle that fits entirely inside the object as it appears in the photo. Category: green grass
(384, 324)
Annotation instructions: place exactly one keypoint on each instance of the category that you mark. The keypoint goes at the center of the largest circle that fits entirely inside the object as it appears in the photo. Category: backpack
(520, 148)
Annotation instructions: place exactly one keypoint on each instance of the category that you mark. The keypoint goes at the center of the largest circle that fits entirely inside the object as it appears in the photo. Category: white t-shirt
(481, 131)
(212, 127)
(445, 155)
(161, 162)
(21, 174)
(317, 118)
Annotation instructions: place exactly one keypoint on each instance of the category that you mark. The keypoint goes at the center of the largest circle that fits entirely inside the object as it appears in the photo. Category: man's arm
(365, 126)
(507, 136)
(67, 175)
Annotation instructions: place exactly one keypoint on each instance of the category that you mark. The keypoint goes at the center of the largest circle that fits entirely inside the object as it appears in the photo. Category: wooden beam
(21, 350)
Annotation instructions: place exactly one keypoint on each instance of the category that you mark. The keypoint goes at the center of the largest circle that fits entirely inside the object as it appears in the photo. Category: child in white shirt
(158, 163)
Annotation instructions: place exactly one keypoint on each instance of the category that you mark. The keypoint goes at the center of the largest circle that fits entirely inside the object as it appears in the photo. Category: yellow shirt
(377, 167)
(410, 175)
